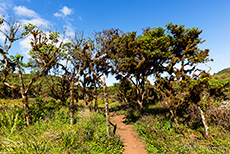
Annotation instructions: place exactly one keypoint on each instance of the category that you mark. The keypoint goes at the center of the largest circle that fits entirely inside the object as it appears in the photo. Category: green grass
(160, 135)
(158, 131)
(51, 131)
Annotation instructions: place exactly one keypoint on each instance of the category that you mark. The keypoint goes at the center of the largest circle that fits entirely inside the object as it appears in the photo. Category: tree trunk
(173, 113)
(71, 106)
(174, 118)
(87, 102)
(203, 121)
(90, 106)
(140, 97)
(96, 105)
(106, 109)
(26, 109)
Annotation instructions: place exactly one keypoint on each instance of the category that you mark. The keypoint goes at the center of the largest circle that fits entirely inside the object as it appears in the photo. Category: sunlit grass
(51, 131)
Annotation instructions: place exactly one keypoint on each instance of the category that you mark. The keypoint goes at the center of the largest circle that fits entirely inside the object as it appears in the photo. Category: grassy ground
(160, 136)
(158, 131)
(51, 132)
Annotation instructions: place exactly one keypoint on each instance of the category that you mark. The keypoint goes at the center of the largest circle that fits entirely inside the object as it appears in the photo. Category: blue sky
(211, 16)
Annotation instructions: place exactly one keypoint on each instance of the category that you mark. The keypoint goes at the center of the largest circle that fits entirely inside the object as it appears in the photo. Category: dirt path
(132, 144)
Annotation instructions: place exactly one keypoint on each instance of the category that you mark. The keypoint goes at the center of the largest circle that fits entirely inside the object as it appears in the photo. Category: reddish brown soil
(132, 144)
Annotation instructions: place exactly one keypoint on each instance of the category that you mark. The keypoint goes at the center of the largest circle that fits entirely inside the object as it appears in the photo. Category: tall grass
(161, 136)
(52, 133)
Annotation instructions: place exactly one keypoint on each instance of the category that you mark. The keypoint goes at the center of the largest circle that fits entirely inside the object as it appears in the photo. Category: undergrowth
(161, 136)
(52, 133)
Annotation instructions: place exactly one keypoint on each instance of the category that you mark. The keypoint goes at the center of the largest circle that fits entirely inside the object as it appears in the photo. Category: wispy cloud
(22, 11)
(36, 21)
(80, 18)
(3, 28)
(30, 16)
(65, 11)
(69, 30)
(25, 45)
(4, 5)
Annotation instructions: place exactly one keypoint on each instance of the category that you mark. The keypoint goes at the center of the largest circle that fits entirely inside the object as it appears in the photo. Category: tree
(125, 91)
(44, 54)
(74, 66)
(58, 87)
(12, 34)
(185, 84)
(136, 57)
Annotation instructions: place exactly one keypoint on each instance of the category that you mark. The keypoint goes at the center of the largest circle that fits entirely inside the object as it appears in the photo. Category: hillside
(223, 74)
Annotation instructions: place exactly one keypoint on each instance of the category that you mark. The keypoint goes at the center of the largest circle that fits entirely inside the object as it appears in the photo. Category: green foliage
(221, 76)
(1, 21)
(41, 108)
(125, 91)
(51, 133)
(160, 137)
(11, 120)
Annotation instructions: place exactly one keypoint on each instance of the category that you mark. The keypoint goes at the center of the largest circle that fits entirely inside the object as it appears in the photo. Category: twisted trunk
(203, 121)
(106, 109)
(26, 108)
(140, 97)
(174, 118)
(71, 106)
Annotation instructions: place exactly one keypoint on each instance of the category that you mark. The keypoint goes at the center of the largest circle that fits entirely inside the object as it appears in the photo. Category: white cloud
(63, 12)
(66, 11)
(36, 21)
(69, 30)
(4, 6)
(57, 14)
(30, 16)
(2, 37)
(25, 45)
(22, 11)
(3, 28)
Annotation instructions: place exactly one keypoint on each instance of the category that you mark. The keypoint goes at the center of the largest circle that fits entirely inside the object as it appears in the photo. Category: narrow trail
(132, 144)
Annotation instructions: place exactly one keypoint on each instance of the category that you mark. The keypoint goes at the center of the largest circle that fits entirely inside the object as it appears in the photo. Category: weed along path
(132, 144)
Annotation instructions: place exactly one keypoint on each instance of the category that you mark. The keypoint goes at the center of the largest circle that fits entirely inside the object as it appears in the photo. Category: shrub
(219, 116)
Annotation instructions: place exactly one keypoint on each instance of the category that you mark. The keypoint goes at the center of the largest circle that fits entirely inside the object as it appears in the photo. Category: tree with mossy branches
(185, 84)
(45, 52)
(136, 57)
(11, 34)
(72, 68)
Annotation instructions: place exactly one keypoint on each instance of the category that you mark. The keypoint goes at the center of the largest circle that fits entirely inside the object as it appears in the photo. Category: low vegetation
(51, 132)
(159, 132)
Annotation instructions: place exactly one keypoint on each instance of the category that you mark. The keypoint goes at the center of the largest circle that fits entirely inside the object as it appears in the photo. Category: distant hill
(223, 74)
(226, 70)
(221, 77)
